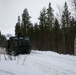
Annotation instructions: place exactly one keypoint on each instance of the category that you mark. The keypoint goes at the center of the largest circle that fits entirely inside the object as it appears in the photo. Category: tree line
(50, 33)
(2, 40)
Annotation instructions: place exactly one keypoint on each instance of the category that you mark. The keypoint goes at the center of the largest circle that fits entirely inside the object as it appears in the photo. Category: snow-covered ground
(39, 63)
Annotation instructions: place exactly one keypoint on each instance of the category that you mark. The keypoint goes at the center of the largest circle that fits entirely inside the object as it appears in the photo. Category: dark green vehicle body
(18, 45)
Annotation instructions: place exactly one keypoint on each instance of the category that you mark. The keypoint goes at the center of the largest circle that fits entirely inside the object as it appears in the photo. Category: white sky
(11, 9)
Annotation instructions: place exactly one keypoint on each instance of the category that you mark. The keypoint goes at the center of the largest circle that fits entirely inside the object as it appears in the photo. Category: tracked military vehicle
(18, 45)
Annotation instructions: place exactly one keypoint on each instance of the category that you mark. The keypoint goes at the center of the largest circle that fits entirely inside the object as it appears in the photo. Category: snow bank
(2, 50)
(39, 63)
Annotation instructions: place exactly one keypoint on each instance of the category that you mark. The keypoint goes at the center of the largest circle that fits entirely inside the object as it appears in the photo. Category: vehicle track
(57, 58)
(46, 66)
(3, 72)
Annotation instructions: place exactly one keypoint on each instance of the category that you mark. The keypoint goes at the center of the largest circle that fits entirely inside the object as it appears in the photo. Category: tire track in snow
(58, 58)
(6, 72)
(42, 64)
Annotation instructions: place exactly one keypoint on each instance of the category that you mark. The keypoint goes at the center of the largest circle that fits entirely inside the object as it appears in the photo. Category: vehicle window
(26, 38)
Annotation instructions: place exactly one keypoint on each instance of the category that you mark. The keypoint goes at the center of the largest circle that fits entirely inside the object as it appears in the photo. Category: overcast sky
(11, 9)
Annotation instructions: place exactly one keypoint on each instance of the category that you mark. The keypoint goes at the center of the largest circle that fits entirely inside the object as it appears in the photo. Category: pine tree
(42, 24)
(36, 36)
(50, 21)
(17, 27)
(72, 35)
(0, 33)
(25, 22)
(56, 35)
(65, 21)
(31, 35)
(50, 16)
(2, 40)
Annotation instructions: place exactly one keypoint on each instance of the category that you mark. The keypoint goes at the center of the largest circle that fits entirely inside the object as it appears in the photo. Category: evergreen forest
(50, 33)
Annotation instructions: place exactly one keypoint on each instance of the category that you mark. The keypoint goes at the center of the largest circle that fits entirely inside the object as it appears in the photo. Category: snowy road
(2, 72)
(39, 63)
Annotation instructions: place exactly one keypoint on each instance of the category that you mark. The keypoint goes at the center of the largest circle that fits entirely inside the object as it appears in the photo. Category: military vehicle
(18, 45)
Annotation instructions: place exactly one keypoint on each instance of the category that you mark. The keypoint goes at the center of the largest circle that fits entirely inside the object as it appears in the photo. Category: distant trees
(26, 24)
(23, 25)
(56, 31)
(50, 24)
(65, 22)
(2, 40)
(49, 33)
(42, 25)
